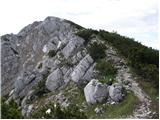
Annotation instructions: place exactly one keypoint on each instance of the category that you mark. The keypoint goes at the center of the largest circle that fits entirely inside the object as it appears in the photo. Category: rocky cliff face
(21, 53)
(50, 51)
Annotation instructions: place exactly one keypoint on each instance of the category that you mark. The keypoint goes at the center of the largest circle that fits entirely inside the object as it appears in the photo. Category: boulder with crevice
(95, 92)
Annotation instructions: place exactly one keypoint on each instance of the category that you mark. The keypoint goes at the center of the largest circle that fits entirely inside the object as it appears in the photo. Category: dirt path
(125, 77)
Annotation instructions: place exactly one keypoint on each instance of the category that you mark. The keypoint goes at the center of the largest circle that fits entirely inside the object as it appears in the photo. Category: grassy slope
(75, 94)
(122, 109)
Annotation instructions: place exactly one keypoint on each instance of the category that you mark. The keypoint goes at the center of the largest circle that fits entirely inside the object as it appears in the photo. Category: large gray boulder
(115, 92)
(54, 80)
(95, 92)
(81, 68)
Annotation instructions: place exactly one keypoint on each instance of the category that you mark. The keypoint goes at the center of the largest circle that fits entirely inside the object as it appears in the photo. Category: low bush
(86, 34)
(51, 53)
(105, 67)
(97, 51)
(10, 110)
(40, 88)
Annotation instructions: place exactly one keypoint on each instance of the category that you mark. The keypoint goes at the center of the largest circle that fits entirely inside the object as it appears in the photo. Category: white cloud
(128, 17)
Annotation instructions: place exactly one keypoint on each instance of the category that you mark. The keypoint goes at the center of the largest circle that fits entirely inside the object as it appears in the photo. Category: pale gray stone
(54, 80)
(81, 68)
(72, 47)
(115, 92)
(95, 92)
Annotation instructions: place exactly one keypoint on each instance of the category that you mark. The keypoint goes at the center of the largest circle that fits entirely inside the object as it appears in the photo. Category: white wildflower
(48, 111)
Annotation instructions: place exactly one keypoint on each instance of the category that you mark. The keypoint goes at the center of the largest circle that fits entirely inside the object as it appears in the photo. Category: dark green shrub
(40, 89)
(10, 110)
(97, 51)
(105, 67)
(86, 34)
(71, 112)
(150, 72)
(143, 60)
(51, 53)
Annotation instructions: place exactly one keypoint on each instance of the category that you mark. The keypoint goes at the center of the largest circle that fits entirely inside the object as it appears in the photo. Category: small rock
(98, 110)
(112, 103)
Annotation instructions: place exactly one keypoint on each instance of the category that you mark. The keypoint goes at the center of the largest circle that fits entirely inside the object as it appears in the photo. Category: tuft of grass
(109, 79)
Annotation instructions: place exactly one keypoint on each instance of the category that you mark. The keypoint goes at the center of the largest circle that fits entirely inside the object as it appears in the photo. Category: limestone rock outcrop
(52, 52)
(81, 68)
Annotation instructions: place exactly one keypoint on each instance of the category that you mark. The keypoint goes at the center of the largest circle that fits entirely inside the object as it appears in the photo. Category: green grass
(75, 95)
(10, 110)
(122, 109)
(109, 79)
(152, 93)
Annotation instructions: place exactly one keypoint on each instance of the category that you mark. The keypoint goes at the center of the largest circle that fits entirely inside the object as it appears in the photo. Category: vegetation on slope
(10, 110)
(122, 109)
(40, 89)
(97, 51)
(71, 112)
(143, 60)
(107, 71)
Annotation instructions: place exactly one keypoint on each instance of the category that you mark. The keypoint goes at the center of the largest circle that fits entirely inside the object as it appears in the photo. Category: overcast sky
(137, 19)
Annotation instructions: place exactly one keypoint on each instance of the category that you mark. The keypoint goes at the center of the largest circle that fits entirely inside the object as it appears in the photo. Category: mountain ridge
(57, 52)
